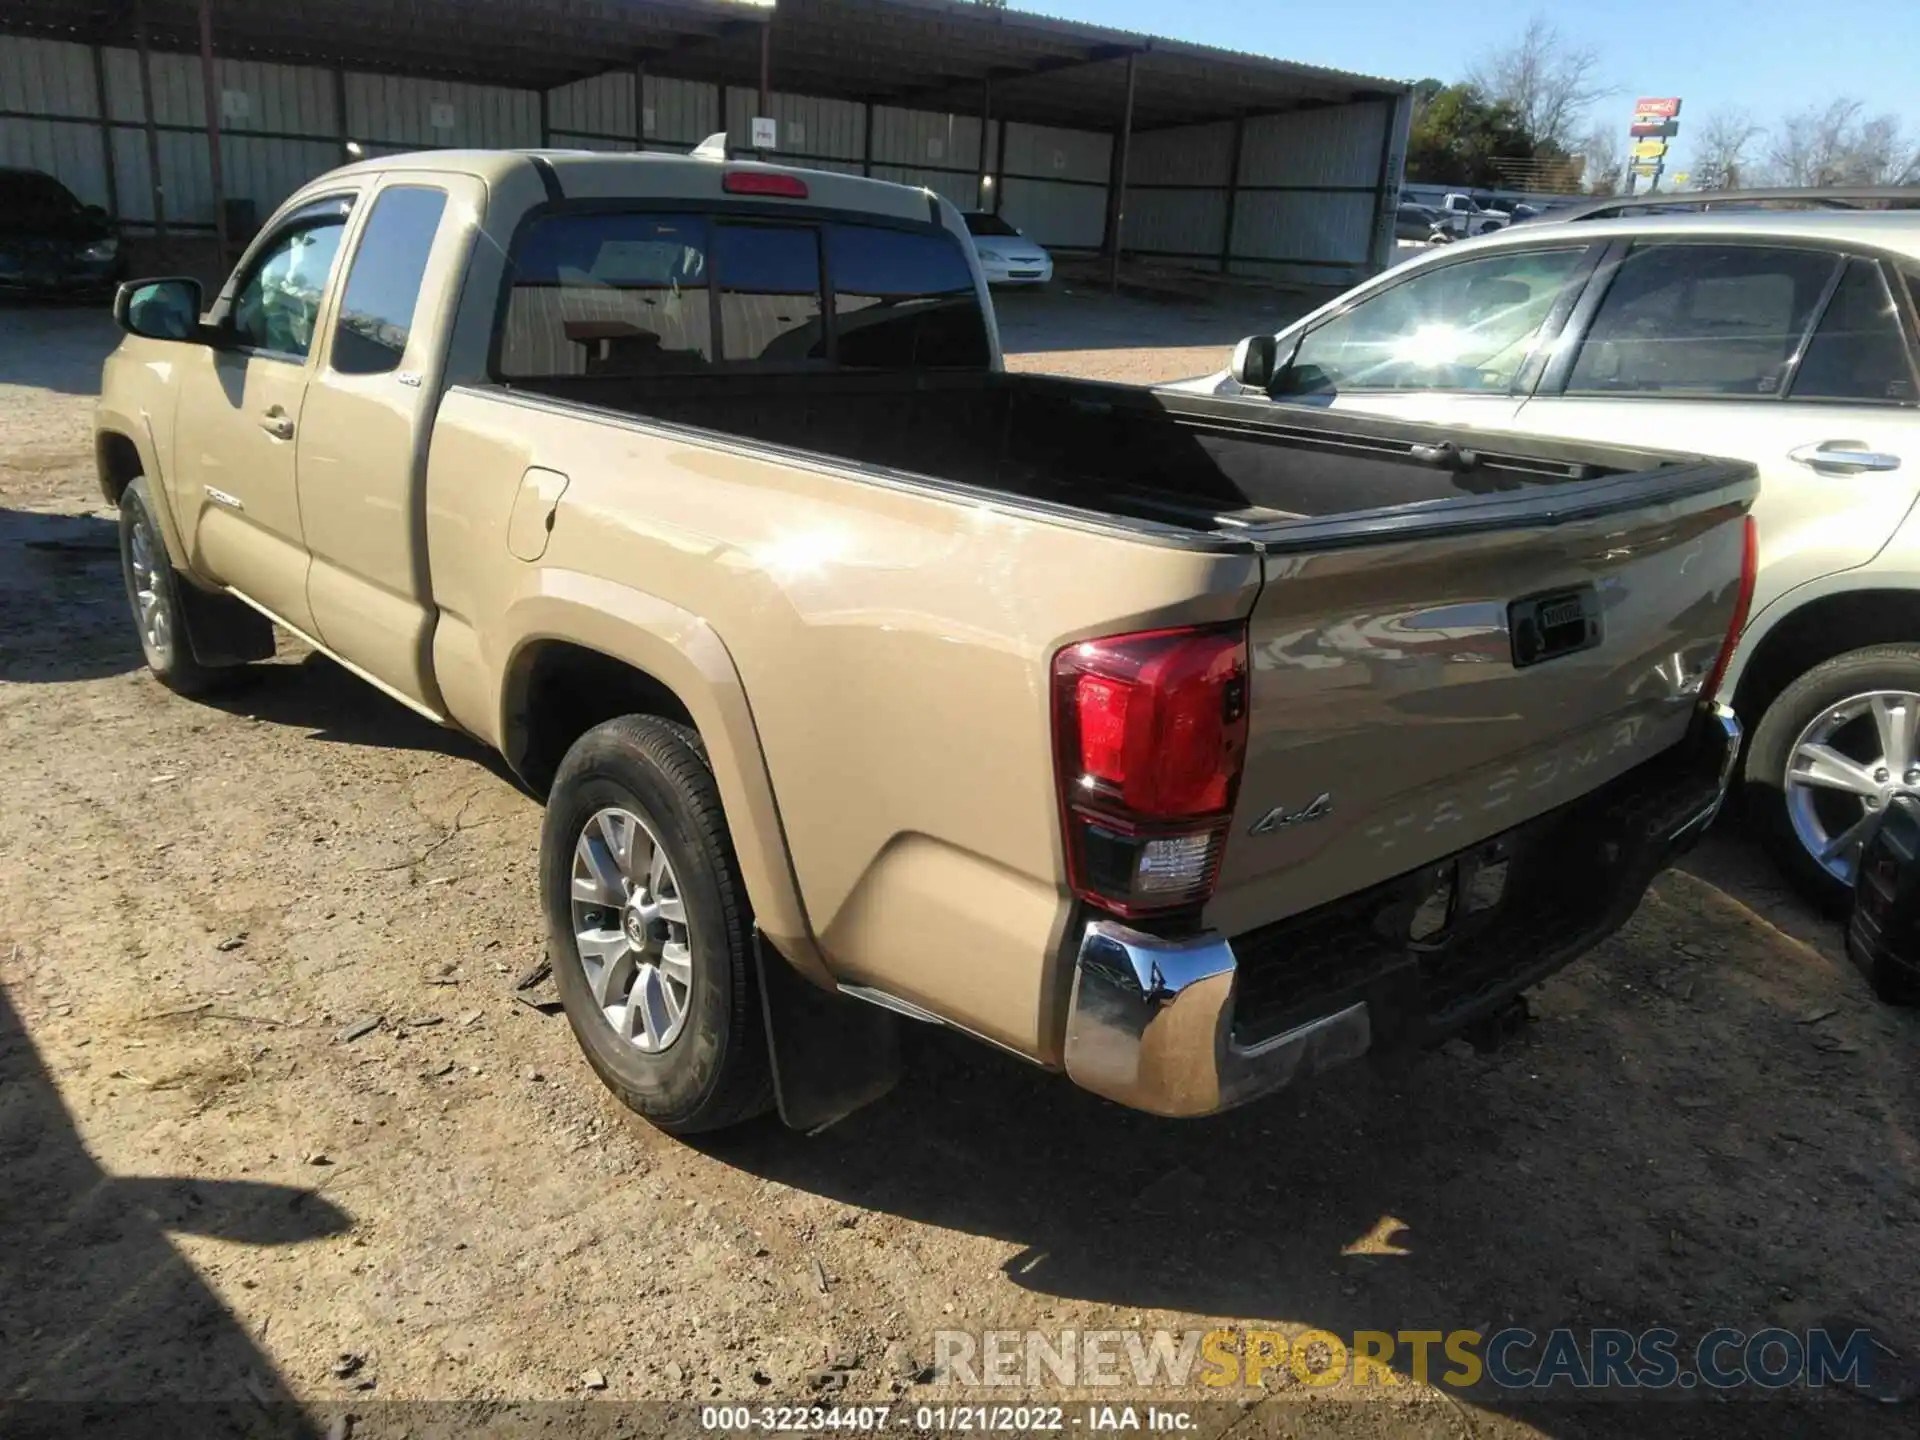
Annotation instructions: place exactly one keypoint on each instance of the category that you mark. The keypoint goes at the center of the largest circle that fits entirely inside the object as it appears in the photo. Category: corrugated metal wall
(1177, 192)
(1308, 185)
(1302, 206)
(53, 83)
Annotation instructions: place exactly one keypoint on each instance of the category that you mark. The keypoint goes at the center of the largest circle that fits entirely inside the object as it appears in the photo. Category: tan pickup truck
(1183, 749)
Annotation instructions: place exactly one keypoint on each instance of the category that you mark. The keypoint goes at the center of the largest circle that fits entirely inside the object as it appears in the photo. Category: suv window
(1469, 325)
(904, 300)
(769, 279)
(1703, 320)
(1857, 352)
(383, 282)
(609, 294)
(277, 307)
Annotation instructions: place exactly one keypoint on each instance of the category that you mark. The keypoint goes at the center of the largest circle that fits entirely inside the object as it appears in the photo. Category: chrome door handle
(1842, 457)
(279, 426)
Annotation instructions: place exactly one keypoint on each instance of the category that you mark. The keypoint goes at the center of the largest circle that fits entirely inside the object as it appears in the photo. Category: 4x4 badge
(1279, 818)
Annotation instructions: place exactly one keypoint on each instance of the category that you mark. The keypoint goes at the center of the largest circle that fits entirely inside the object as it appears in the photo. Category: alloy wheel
(1849, 761)
(630, 925)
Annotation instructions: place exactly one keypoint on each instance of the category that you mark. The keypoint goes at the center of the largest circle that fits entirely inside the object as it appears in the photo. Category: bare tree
(1549, 80)
(1836, 144)
(1720, 150)
(1603, 161)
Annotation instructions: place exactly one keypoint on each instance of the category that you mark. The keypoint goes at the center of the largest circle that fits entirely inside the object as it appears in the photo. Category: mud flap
(830, 1055)
(221, 629)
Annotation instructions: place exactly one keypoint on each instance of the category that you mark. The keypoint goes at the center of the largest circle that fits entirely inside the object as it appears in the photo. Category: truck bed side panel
(893, 645)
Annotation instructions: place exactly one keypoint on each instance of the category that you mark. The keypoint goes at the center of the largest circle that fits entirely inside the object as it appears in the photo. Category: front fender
(682, 652)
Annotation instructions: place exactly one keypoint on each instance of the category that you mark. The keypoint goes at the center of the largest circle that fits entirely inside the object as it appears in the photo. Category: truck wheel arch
(581, 659)
(1814, 630)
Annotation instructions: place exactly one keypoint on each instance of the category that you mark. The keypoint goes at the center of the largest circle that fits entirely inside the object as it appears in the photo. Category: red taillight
(764, 182)
(1151, 734)
(1742, 605)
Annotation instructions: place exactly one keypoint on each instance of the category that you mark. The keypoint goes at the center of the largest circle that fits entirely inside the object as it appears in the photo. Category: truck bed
(1212, 466)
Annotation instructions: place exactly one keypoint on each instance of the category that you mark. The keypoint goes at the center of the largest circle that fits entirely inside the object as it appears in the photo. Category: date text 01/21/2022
(959, 1419)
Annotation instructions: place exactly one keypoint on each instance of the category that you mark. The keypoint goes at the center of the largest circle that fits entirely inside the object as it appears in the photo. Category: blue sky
(1769, 56)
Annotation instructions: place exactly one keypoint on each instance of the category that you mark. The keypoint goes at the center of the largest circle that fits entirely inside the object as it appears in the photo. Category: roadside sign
(766, 133)
(1667, 129)
(1649, 149)
(1651, 167)
(1681, 177)
(1663, 107)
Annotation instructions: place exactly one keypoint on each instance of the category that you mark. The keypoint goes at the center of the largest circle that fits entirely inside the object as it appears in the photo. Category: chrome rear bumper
(1150, 1023)
(1151, 1027)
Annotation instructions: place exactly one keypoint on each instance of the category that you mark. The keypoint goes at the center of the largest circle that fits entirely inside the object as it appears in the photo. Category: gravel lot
(213, 1185)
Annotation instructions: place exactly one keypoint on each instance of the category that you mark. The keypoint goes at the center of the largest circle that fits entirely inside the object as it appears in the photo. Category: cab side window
(1467, 326)
(383, 282)
(277, 307)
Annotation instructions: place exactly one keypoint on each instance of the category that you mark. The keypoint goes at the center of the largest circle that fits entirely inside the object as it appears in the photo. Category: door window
(609, 294)
(1857, 352)
(1466, 326)
(278, 306)
(769, 279)
(1701, 320)
(383, 282)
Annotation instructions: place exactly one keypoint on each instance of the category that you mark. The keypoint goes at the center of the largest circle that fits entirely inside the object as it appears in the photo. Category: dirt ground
(213, 1185)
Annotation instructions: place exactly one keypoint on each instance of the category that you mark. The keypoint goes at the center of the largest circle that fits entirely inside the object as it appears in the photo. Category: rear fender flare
(683, 653)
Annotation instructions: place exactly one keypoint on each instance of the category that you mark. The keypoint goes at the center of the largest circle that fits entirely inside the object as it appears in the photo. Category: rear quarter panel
(893, 645)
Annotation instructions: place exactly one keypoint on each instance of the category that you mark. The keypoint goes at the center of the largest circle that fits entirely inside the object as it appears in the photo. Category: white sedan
(1007, 256)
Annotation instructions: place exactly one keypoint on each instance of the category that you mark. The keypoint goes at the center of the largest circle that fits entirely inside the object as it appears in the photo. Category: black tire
(169, 656)
(1876, 667)
(715, 1073)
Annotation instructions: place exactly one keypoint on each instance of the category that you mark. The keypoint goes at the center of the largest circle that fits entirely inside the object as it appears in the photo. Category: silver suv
(1783, 338)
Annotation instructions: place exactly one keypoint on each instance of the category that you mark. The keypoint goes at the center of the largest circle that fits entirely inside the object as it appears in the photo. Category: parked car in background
(1006, 256)
(1419, 222)
(1783, 338)
(1466, 217)
(51, 244)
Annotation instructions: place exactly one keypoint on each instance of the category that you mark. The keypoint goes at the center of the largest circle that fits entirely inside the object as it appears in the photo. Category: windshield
(981, 223)
(31, 200)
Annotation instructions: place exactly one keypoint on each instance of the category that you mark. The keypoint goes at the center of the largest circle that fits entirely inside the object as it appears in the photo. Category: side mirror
(159, 309)
(1253, 361)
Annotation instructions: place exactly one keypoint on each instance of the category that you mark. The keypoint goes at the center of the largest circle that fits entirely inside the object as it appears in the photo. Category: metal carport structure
(1089, 137)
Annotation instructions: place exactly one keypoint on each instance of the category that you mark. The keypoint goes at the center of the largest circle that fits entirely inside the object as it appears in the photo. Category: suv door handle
(1842, 457)
(279, 424)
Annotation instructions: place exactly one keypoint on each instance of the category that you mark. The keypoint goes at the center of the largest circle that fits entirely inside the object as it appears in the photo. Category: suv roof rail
(1831, 197)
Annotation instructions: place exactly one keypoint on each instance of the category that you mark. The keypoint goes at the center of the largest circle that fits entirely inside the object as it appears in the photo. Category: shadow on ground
(63, 608)
(1599, 1172)
(97, 1307)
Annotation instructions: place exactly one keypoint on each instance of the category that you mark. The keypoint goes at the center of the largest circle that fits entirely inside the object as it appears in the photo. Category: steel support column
(210, 95)
(108, 167)
(639, 104)
(146, 114)
(1117, 188)
(980, 196)
(866, 139)
(1233, 193)
(340, 113)
(1000, 168)
(766, 68)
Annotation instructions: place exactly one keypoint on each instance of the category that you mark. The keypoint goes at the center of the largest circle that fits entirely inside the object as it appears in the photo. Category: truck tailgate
(1426, 677)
